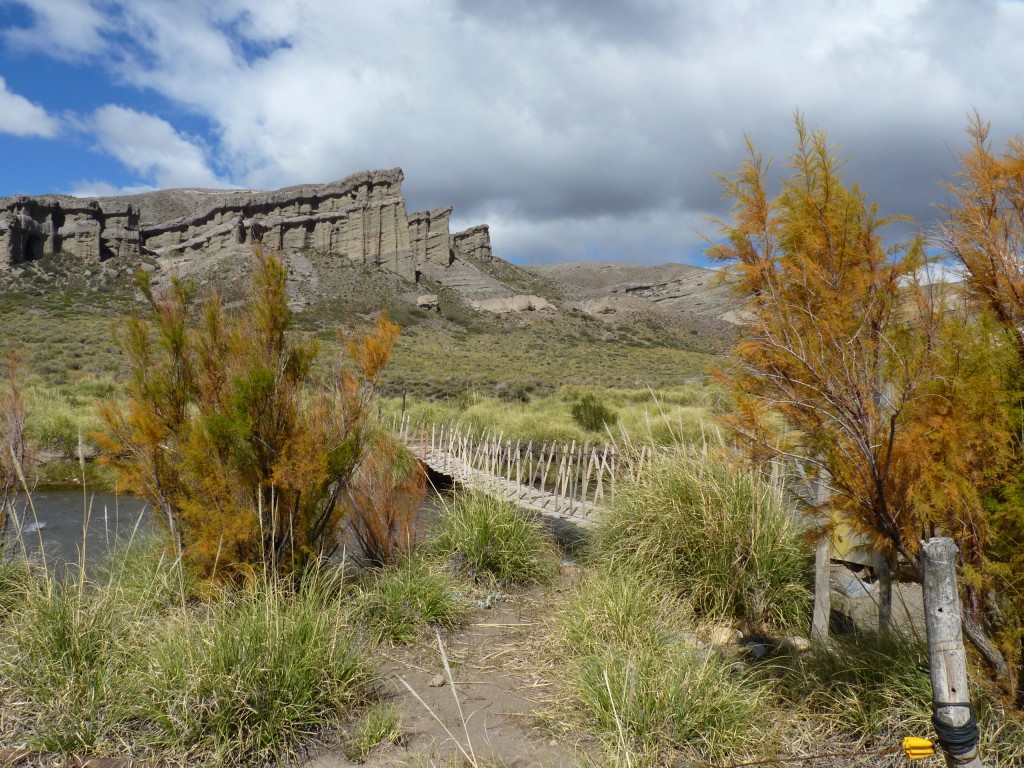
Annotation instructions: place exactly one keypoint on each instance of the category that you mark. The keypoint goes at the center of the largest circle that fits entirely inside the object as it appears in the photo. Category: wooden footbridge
(563, 480)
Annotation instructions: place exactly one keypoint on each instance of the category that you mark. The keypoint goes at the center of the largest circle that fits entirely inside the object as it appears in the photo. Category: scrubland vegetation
(291, 550)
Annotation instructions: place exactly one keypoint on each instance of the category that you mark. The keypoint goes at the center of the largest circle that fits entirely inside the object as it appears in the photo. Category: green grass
(128, 663)
(679, 414)
(399, 603)
(724, 540)
(546, 355)
(639, 682)
(255, 676)
(380, 724)
(866, 685)
(494, 540)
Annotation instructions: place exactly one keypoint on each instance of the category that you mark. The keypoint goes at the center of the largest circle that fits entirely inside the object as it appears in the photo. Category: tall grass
(866, 685)
(493, 539)
(128, 663)
(725, 540)
(660, 417)
(640, 683)
(399, 602)
(254, 676)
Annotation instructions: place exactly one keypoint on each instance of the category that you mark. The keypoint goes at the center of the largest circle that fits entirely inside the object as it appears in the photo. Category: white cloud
(20, 117)
(581, 127)
(151, 147)
(63, 28)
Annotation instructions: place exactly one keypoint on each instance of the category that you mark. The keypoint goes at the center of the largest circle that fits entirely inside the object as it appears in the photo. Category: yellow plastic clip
(915, 747)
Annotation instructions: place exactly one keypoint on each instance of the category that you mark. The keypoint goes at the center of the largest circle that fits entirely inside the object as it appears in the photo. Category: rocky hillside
(351, 247)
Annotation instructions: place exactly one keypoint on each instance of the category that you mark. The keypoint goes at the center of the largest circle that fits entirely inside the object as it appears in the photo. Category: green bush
(397, 603)
(593, 415)
(130, 664)
(723, 539)
(494, 539)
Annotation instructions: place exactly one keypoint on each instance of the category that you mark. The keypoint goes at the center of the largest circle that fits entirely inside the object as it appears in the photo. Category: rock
(755, 649)
(474, 243)
(795, 644)
(437, 681)
(361, 218)
(513, 304)
(722, 635)
(427, 301)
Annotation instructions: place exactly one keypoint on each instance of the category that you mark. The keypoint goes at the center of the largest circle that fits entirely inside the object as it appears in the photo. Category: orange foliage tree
(850, 365)
(984, 231)
(385, 499)
(243, 451)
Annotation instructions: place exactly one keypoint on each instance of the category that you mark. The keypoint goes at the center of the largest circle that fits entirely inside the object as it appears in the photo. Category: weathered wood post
(947, 663)
(822, 567)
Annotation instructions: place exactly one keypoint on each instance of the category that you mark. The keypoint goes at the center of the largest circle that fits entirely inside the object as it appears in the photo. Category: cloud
(572, 128)
(20, 117)
(151, 147)
(63, 28)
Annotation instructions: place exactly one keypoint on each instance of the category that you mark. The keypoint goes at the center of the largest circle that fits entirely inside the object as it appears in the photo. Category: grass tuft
(641, 684)
(493, 539)
(260, 672)
(725, 540)
(381, 724)
(399, 602)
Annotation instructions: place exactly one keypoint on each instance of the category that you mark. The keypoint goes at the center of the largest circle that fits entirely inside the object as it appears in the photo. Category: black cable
(956, 740)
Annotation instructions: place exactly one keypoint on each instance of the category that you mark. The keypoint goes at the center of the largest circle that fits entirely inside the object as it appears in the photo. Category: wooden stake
(947, 662)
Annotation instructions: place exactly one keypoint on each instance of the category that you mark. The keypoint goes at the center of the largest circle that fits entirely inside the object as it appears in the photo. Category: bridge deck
(582, 513)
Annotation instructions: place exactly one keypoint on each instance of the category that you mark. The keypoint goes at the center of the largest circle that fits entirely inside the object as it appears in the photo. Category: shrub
(723, 539)
(398, 603)
(494, 539)
(593, 415)
(243, 461)
(875, 685)
(385, 498)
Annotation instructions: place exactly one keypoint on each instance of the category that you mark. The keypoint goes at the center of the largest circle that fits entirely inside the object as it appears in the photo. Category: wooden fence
(563, 479)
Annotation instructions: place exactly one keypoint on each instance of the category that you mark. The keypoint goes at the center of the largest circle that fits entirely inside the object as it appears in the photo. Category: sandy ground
(495, 709)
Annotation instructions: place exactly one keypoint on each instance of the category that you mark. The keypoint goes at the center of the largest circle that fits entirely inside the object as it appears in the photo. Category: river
(58, 523)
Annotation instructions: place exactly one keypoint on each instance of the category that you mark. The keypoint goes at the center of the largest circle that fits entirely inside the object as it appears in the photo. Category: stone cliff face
(31, 228)
(361, 218)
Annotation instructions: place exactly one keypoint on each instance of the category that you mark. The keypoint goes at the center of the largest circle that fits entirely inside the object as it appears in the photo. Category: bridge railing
(564, 478)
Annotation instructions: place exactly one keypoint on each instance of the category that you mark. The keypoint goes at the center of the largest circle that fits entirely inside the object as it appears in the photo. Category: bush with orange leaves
(385, 499)
(244, 452)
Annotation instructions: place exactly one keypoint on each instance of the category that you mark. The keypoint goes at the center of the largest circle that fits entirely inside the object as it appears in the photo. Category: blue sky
(575, 130)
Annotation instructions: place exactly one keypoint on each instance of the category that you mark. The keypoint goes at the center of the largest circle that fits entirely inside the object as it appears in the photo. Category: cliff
(361, 218)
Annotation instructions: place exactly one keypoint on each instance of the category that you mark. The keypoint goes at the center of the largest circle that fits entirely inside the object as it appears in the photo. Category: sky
(577, 129)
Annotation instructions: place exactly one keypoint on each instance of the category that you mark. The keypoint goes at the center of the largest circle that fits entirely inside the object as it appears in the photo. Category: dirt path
(502, 681)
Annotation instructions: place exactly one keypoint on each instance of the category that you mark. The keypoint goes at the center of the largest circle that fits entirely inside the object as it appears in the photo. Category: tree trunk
(884, 595)
(989, 652)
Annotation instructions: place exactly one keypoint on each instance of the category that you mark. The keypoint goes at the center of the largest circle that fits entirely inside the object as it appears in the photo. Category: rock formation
(361, 218)
(31, 228)
(474, 242)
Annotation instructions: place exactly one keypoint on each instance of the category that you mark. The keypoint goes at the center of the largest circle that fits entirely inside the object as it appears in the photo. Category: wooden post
(822, 566)
(947, 662)
(822, 595)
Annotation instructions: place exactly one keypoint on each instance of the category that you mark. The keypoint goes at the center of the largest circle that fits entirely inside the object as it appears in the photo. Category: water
(60, 516)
